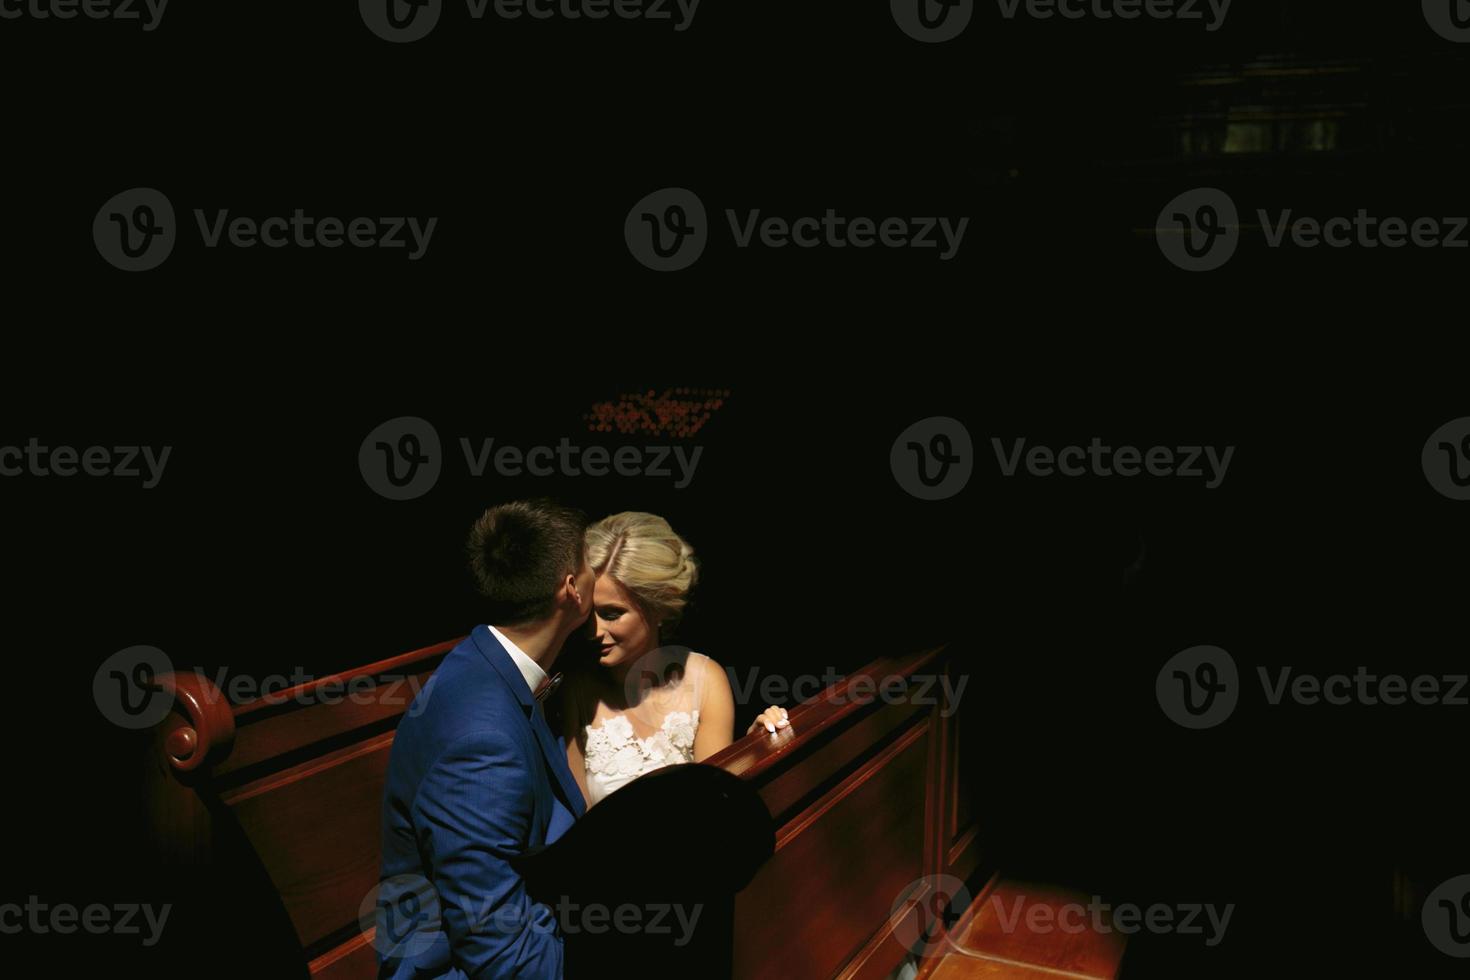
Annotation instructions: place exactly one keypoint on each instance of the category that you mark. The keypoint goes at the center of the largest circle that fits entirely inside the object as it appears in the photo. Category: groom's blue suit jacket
(475, 777)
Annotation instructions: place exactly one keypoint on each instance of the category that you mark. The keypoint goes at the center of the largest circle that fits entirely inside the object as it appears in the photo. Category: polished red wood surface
(993, 941)
(298, 777)
(864, 790)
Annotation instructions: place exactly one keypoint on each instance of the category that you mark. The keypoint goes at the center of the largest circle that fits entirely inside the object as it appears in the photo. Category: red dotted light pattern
(677, 412)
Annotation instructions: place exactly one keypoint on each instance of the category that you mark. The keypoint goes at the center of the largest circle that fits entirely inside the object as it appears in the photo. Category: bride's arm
(716, 713)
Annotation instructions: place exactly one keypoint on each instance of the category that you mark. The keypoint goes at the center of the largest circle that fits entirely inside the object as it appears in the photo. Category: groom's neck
(541, 642)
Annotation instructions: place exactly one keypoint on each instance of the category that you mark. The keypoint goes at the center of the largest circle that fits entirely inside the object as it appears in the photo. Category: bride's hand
(770, 719)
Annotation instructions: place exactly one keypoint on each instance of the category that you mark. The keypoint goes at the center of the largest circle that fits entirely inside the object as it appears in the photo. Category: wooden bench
(273, 808)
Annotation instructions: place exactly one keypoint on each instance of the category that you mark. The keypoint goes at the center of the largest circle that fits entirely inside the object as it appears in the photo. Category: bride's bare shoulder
(710, 674)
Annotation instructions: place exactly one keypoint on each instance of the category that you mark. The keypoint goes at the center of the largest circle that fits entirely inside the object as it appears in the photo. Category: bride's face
(623, 633)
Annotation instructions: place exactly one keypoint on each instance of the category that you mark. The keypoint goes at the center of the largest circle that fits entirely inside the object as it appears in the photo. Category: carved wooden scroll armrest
(208, 732)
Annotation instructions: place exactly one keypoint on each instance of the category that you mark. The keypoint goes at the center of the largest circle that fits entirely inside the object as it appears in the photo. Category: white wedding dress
(658, 731)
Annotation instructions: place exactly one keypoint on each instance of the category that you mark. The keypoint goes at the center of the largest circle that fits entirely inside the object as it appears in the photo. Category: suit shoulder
(464, 701)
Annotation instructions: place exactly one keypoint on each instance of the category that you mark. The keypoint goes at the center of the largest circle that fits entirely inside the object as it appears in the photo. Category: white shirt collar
(529, 668)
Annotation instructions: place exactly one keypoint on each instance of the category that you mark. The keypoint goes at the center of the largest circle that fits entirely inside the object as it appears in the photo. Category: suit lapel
(556, 759)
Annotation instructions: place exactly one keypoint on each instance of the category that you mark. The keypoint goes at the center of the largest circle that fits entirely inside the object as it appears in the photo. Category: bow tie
(547, 686)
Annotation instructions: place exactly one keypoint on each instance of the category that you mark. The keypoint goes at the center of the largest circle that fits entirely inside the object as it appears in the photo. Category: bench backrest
(287, 791)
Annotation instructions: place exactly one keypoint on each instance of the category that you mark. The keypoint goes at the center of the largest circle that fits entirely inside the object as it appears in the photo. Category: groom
(475, 776)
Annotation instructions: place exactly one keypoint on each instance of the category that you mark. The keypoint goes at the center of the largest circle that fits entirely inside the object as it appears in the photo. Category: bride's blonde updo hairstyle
(642, 552)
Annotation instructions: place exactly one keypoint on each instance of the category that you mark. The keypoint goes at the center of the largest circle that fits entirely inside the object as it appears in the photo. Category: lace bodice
(616, 754)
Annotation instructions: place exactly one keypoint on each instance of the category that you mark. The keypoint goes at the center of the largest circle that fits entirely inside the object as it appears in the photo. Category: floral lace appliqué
(613, 749)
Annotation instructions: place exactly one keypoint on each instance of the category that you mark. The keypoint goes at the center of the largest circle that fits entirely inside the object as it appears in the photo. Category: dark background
(262, 550)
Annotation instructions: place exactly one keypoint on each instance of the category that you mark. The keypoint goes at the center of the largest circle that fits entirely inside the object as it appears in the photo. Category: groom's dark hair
(519, 553)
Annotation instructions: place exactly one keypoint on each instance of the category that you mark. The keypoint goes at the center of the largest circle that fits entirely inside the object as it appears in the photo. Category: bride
(635, 705)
